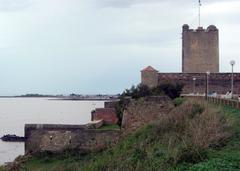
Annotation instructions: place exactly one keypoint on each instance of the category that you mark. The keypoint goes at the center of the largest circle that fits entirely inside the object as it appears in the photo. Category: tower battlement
(210, 28)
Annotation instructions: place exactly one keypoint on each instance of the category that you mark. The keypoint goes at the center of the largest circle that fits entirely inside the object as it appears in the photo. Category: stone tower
(149, 77)
(200, 50)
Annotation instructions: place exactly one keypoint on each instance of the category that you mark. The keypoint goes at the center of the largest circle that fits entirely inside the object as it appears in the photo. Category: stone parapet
(59, 138)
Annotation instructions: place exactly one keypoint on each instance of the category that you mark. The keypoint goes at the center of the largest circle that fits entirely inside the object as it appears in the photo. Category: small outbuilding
(108, 115)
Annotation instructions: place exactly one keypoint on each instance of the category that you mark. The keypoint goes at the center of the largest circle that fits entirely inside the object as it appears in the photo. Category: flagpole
(199, 13)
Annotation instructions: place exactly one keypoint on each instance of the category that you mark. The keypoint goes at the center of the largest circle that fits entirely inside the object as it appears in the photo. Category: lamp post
(194, 85)
(232, 63)
(207, 88)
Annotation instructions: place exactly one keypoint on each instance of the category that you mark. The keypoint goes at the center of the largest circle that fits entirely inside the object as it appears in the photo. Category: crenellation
(210, 28)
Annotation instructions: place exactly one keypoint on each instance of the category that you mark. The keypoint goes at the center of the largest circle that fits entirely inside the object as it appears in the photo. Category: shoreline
(64, 98)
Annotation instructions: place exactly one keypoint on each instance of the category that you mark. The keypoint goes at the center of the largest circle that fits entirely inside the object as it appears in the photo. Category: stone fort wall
(218, 82)
(144, 111)
(59, 138)
(82, 139)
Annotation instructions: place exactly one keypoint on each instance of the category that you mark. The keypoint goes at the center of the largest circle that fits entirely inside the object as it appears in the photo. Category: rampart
(143, 111)
(59, 138)
(218, 82)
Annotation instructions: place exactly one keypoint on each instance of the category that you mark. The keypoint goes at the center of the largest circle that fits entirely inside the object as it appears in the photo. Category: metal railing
(218, 100)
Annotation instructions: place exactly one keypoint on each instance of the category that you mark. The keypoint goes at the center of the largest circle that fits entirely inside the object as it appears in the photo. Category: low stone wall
(143, 111)
(115, 103)
(111, 104)
(58, 138)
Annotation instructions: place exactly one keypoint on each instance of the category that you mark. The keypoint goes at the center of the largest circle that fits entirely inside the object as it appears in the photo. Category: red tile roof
(149, 68)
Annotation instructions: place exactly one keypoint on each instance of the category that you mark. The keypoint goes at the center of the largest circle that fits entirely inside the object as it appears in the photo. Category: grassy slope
(109, 127)
(227, 158)
(145, 151)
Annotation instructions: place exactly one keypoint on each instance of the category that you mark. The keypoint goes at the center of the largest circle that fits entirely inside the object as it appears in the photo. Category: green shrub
(217, 165)
(120, 107)
(137, 92)
(109, 127)
(191, 155)
(138, 154)
(178, 101)
(172, 90)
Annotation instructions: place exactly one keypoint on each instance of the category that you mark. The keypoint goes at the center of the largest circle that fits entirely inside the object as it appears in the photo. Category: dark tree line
(171, 90)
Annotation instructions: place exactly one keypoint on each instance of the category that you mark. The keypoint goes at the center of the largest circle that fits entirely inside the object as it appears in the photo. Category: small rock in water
(13, 138)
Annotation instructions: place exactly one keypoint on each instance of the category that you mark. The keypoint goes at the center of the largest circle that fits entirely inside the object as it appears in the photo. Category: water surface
(15, 112)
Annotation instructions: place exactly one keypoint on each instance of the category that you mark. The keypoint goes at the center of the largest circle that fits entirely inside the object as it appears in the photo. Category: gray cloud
(11, 5)
(123, 3)
(129, 3)
(74, 45)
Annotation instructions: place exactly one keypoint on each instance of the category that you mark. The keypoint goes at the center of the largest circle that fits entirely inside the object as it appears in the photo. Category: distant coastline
(70, 97)
(82, 99)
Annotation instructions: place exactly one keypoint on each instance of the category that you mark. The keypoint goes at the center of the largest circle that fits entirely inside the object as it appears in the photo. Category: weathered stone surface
(200, 50)
(58, 138)
(218, 82)
(149, 77)
(143, 111)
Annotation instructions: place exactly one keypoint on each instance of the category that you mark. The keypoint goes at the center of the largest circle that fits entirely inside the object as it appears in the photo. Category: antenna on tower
(199, 13)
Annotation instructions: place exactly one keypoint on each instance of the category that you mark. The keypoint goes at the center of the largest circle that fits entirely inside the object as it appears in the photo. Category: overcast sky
(100, 46)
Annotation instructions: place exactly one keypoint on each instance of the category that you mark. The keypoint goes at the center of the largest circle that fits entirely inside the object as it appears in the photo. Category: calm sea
(15, 112)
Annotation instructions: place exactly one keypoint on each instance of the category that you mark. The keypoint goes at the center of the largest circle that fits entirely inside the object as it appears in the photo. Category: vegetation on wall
(109, 127)
(178, 101)
(194, 136)
(171, 90)
(120, 107)
(135, 92)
